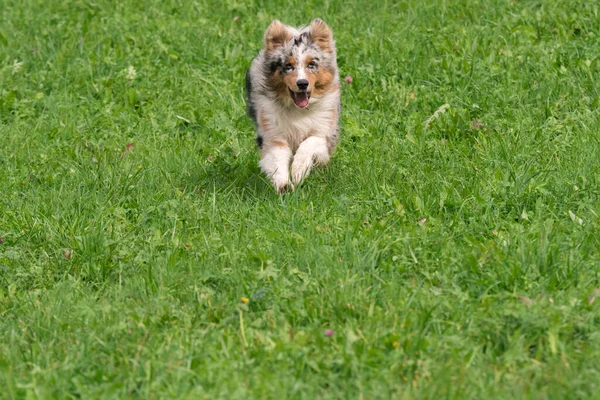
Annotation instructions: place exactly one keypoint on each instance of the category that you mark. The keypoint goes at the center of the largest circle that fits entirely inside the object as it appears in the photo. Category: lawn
(451, 249)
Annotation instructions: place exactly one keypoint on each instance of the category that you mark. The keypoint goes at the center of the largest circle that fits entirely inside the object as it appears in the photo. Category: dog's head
(300, 63)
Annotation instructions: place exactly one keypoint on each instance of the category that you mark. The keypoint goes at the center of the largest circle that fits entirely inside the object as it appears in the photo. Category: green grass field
(454, 254)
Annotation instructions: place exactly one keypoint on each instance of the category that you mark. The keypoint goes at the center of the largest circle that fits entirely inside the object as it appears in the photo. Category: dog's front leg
(312, 151)
(275, 163)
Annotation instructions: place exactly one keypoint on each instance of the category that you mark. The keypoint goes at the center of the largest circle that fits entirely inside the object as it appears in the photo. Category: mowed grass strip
(450, 250)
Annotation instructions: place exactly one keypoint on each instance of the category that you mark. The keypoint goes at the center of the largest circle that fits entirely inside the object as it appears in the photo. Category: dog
(293, 97)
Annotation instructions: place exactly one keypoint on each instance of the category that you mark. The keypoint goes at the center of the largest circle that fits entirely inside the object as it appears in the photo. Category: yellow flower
(245, 300)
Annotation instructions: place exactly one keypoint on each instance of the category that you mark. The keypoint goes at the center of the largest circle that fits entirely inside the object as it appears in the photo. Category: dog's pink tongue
(301, 99)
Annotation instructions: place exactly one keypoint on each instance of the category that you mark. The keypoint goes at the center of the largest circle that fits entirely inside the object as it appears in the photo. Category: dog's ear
(276, 36)
(320, 33)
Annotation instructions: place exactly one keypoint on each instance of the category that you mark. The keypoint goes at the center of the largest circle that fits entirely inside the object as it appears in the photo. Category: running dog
(293, 90)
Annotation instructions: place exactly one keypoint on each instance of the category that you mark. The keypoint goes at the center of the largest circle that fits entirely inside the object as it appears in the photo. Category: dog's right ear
(321, 34)
(276, 36)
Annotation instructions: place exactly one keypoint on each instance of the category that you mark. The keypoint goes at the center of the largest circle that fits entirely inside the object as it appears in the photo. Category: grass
(453, 257)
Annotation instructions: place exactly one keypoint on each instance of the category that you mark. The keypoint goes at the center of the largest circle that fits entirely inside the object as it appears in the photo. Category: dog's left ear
(320, 33)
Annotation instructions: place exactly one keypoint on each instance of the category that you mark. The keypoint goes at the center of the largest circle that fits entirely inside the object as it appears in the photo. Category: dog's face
(299, 63)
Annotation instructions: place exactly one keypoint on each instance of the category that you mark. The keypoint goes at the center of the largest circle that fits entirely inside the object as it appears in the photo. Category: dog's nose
(302, 84)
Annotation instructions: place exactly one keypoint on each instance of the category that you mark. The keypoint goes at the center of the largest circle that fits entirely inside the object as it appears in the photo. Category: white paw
(282, 184)
(301, 168)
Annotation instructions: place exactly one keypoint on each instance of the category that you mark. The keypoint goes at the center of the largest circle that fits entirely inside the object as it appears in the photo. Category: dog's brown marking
(280, 144)
(290, 80)
(265, 126)
(320, 81)
(285, 82)
(268, 145)
(323, 81)
(277, 83)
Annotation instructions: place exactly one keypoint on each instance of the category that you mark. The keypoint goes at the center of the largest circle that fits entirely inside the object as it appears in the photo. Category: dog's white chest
(297, 125)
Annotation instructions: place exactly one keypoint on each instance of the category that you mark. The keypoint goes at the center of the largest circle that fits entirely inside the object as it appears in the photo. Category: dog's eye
(288, 68)
(312, 65)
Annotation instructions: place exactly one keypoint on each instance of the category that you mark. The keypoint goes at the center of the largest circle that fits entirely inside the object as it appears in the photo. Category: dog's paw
(282, 184)
(284, 188)
(301, 168)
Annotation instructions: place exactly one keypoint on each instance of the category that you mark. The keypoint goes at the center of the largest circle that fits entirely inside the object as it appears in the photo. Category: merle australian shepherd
(293, 89)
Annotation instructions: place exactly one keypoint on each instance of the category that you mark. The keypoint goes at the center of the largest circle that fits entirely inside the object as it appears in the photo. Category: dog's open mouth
(300, 98)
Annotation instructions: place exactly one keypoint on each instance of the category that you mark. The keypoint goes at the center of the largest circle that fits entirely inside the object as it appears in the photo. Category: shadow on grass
(234, 176)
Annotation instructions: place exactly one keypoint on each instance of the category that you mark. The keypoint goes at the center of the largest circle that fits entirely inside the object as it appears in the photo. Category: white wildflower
(17, 66)
(131, 73)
